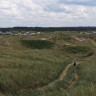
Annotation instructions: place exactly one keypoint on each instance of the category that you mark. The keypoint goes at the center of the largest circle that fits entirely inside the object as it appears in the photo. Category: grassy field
(25, 70)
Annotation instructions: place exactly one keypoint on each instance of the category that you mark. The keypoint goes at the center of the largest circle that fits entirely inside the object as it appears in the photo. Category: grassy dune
(23, 68)
(29, 69)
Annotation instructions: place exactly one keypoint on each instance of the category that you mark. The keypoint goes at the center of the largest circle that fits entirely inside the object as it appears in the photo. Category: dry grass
(25, 68)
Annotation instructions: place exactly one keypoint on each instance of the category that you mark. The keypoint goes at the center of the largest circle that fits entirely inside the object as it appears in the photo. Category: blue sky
(79, 2)
(47, 13)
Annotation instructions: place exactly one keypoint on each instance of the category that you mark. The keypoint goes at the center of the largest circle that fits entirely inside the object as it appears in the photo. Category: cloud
(47, 13)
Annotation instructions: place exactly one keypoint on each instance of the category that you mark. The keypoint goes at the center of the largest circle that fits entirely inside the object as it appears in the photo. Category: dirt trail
(75, 79)
(63, 74)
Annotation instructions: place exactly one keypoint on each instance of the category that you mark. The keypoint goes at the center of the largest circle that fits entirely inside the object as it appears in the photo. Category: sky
(47, 13)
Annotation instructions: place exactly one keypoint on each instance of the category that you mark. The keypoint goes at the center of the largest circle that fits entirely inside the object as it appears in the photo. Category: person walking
(74, 63)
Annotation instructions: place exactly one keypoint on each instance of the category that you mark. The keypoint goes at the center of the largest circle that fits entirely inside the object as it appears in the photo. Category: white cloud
(45, 13)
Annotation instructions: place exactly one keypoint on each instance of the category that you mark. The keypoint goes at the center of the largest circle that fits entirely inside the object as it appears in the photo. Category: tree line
(48, 29)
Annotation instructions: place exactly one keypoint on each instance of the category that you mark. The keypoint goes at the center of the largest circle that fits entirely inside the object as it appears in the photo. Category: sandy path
(63, 74)
(75, 79)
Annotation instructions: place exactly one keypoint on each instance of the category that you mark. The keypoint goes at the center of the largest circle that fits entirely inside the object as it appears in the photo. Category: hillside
(41, 64)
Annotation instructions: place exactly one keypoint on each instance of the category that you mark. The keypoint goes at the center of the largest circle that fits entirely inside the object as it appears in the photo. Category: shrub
(37, 44)
(78, 49)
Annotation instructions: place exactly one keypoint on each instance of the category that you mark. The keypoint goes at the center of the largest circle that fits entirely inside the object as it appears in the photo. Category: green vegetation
(26, 70)
(58, 86)
(93, 37)
(49, 29)
(29, 69)
(62, 36)
(37, 44)
(78, 50)
(67, 38)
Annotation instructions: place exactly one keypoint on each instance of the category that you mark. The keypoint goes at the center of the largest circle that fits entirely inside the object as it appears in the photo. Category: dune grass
(25, 68)
(91, 36)
(85, 86)
(31, 70)
(62, 36)
(58, 86)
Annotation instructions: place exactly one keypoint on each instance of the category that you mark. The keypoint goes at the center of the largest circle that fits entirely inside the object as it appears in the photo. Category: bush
(37, 44)
(77, 49)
